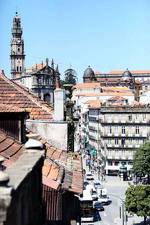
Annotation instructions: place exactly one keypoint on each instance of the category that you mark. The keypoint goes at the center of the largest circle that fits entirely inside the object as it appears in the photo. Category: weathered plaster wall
(56, 133)
(22, 205)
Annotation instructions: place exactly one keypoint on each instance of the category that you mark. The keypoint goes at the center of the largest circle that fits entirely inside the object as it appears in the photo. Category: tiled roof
(105, 94)
(10, 108)
(35, 67)
(97, 72)
(94, 103)
(62, 169)
(120, 72)
(14, 94)
(117, 98)
(10, 149)
(87, 85)
(116, 89)
(132, 71)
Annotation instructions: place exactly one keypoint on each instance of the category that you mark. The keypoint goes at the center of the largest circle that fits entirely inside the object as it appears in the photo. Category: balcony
(92, 128)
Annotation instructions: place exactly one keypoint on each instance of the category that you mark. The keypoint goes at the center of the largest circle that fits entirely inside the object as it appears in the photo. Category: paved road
(116, 191)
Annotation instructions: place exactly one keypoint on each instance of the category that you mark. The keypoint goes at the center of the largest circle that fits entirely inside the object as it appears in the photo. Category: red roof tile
(60, 166)
(10, 149)
(14, 94)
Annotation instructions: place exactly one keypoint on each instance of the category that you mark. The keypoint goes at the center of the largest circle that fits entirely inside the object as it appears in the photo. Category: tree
(141, 161)
(70, 76)
(137, 200)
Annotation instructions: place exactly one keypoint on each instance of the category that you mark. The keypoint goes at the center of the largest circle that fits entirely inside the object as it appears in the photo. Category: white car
(102, 191)
(97, 185)
(94, 195)
(104, 199)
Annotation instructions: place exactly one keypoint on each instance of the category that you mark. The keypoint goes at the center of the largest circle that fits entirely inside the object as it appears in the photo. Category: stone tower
(17, 48)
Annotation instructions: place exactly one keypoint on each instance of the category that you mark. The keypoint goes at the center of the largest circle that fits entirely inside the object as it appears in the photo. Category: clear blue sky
(105, 34)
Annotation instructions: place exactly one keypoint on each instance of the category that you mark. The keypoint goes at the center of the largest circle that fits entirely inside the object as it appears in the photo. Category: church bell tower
(17, 55)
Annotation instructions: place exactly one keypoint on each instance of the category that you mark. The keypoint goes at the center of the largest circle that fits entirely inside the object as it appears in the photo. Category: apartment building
(116, 130)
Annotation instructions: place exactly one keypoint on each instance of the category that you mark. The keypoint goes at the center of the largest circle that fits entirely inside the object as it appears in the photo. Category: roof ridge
(29, 95)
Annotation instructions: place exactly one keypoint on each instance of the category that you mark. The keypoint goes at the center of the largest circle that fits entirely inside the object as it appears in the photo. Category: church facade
(40, 79)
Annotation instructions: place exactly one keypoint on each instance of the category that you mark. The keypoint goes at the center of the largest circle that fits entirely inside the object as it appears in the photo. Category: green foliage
(137, 200)
(70, 76)
(141, 162)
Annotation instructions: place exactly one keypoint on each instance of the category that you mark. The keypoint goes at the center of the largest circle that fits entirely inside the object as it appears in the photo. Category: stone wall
(23, 204)
(56, 133)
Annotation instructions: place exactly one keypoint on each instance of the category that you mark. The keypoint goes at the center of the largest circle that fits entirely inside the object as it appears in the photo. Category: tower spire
(17, 55)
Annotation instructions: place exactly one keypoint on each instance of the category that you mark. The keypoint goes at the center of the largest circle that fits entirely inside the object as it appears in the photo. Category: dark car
(98, 206)
(85, 184)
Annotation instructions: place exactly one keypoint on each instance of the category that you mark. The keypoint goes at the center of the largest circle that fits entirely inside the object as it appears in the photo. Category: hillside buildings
(112, 122)
(132, 79)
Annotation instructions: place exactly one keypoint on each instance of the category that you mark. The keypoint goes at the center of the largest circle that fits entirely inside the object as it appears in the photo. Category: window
(18, 49)
(116, 141)
(110, 130)
(116, 163)
(20, 68)
(137, 130)
(17, 68)
(109, 163)
(123, 130)
(130, 117)
(123, 142)
(144, 116)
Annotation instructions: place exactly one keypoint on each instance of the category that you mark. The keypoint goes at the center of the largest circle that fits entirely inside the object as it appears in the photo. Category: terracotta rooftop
(116, 88)
(14, 94)
(10, 108)
(87, 85)
(120, 72)
(94, 103)
(109, 79)
(117, 98)
(10, 149)
(35, 67)
(105, 94)
(62, 169)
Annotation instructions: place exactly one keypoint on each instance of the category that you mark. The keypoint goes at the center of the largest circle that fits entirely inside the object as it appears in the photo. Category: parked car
(85, 183)
(104, 199)
(89, 176)
(98, 206)
(97, 185)
(94, 195)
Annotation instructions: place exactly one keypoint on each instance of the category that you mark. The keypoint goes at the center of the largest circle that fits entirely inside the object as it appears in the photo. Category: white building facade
(116, 132)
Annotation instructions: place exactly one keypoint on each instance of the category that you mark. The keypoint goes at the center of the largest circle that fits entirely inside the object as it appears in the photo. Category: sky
(105, 34)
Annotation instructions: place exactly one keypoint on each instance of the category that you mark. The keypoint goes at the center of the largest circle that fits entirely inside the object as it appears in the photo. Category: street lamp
(122, 210)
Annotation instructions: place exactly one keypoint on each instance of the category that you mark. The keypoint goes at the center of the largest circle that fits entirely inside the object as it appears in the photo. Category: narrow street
(116, 189)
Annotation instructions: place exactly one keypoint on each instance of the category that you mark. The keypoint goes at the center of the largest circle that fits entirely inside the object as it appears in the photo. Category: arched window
(17, 68)
(20, 68)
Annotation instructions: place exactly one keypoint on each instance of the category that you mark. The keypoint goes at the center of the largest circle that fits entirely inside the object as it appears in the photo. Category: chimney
(33, 142)
(59, 104)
